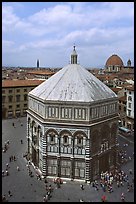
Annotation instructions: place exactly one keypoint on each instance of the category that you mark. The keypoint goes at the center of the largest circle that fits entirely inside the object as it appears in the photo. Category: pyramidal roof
(73, 83)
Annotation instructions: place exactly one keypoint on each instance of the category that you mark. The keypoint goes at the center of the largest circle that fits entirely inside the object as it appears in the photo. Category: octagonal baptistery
(72, 125)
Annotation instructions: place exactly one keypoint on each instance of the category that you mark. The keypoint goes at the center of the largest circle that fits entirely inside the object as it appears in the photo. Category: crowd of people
(108, 182)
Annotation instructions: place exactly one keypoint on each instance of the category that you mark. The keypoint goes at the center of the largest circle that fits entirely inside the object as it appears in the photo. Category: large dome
(72, 83)
(114, 60)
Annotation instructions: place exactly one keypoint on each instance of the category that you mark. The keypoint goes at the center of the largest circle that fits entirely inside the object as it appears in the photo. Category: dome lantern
(74, 56)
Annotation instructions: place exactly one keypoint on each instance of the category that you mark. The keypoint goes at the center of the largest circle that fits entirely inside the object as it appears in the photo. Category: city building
(38, 63)
(72, 123)
(122, 110)
(38, 74)
(130, 108)
(113, 64)
(14, 96)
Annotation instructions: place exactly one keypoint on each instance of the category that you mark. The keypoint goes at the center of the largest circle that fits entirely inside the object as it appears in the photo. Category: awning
(129, 123)
(18, 111)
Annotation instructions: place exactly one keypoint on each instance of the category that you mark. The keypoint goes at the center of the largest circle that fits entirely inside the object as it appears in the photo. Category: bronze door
(104, 163)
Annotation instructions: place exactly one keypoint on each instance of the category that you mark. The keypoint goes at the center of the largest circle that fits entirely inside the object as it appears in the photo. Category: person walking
(18, 169)
(103, 198)
(82, 187)
(122, 197)
(2, 172)
(9, 193)
(7, 165)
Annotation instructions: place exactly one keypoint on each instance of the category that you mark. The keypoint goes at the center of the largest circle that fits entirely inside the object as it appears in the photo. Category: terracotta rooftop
(18, 83)
(116, 90)
(114, 60)
(131, 88)
(42, 72)
(123, 98)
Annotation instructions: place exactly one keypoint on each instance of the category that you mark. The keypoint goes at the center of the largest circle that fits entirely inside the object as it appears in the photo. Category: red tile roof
(115, 89)
(41, 72)
(131, 88)
(123, 98)
(18, 83)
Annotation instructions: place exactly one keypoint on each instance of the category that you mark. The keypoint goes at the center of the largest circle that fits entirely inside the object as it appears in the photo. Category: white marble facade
(60, 132)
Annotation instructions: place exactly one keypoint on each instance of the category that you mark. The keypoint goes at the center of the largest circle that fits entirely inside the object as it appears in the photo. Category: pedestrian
(4, 198)
(103, 198)
(2, 172)
(50, 188)
(45, 181)
(21, 141)
(7, 165)
(9, 159)
(130, 171)
(7, 173)
(13, 124)
(14, 158)
(45, 199)
(18, 169)
(82, 187)
(8, 142)
(9, 193)
(128, 189)
(122, 197)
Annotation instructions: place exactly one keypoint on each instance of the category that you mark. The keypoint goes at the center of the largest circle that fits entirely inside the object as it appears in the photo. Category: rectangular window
(10, 107)
(83, 113)
(130, 92)
(3, 99)
(25, 90)
(79, 113)
(49, 111)
(10, 98)
(18, 106)
(70, 112)
(56, 111)
(76, 111)
(10, 90)
(66, 113)
(53, 112)
(18, 90)
(25, 97)
(17, 98)
(124, 109)
(25, 105)
(62, 112)
(129, 112)
(3, 91)
(129, 105)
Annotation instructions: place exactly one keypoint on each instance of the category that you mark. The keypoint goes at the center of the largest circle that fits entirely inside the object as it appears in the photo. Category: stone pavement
(28, 189)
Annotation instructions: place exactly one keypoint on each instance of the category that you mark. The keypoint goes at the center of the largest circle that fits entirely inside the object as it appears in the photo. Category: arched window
(65, 139)
(79, 141)
(52, 138)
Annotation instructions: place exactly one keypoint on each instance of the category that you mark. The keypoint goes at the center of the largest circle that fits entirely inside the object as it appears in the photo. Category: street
(25, 188)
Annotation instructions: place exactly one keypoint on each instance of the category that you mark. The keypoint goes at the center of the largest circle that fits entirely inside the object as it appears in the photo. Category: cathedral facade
(72, 122)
